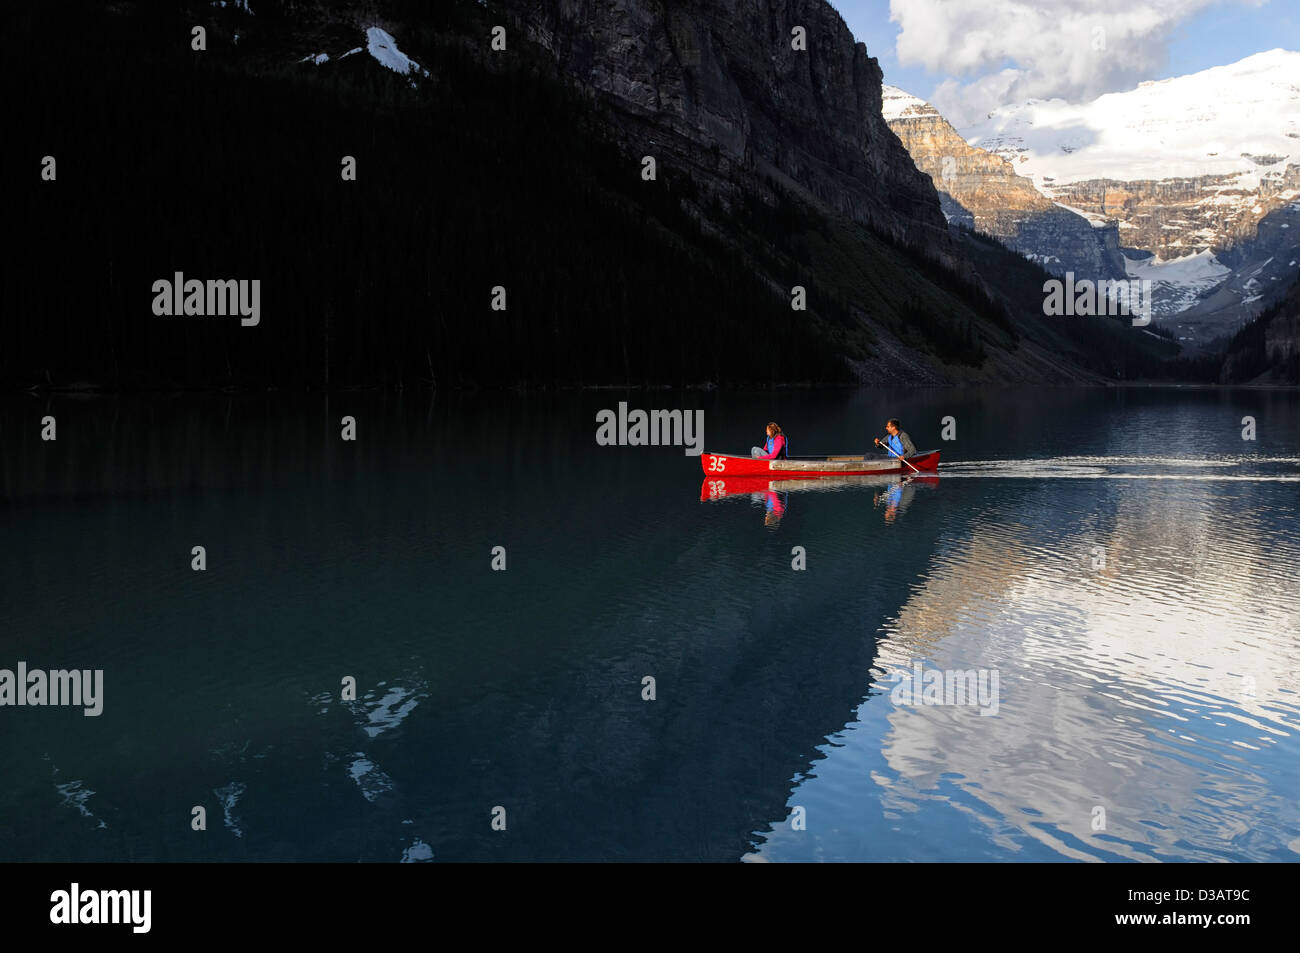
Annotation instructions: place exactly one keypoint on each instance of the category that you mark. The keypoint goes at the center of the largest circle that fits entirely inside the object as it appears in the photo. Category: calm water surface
(1122, 560)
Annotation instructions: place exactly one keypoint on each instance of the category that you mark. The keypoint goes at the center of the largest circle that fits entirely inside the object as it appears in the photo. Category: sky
(969, 56)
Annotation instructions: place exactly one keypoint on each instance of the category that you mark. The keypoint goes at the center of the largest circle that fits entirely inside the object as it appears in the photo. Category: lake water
(1115, 568)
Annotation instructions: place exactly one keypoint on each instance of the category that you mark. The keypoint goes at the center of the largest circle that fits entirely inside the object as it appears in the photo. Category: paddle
(891, 450)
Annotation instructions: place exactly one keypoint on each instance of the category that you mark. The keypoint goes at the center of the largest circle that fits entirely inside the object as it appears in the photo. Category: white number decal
(716, 487)
(717, 463)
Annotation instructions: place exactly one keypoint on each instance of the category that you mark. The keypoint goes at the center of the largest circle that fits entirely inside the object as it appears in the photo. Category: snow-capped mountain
(1194, 179)
(1238, 125)
(981, 190)
(1200, 173)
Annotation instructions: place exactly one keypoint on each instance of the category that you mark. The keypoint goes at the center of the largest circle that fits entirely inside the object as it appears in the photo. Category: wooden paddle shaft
(891, 450)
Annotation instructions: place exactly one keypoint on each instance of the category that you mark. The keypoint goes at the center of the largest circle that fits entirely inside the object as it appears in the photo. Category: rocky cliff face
(1183, 216)
(982, 190)
(1244, 233)
(1254, 274)
(718, 85)
(734, 112)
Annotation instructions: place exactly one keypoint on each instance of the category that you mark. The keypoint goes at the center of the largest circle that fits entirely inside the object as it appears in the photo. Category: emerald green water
(1159, 687)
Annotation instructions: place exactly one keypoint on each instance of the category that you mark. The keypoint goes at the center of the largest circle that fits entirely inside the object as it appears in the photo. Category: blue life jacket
(895, 443)
(785, 450)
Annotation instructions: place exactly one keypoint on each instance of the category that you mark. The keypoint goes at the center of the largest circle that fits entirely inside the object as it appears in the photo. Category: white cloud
(1013, 50)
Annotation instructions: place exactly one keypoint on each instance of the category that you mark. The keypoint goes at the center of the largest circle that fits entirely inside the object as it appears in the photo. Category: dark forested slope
(484, 170)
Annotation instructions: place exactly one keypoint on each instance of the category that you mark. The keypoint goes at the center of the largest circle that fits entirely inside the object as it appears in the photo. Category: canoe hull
(725, 464)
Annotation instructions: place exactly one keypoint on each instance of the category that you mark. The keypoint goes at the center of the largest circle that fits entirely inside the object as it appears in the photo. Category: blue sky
(1222, 32)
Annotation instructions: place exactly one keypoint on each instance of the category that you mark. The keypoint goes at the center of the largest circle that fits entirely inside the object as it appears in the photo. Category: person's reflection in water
(896, 498)
(774, 505)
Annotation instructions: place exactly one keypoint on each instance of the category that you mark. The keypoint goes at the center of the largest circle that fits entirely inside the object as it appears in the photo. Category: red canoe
(725, 464)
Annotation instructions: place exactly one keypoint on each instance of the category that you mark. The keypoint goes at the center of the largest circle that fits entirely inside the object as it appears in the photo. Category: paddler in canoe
(898, 443)
(775, 447)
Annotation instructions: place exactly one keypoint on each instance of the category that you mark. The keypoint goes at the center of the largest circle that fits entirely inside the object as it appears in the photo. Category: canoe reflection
(894, 493)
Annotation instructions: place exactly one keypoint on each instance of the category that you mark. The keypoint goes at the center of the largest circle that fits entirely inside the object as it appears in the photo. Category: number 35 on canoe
(735, 465)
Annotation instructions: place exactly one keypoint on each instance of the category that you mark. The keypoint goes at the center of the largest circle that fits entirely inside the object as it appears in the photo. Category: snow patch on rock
(383, 48)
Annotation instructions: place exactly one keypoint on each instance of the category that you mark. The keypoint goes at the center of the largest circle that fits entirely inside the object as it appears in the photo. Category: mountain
(1242, 278)
(1184, 166)
(981, 189)
(723, 77)
(480, 169)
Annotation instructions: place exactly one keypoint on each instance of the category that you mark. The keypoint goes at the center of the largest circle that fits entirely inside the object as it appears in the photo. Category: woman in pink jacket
(776, 445)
